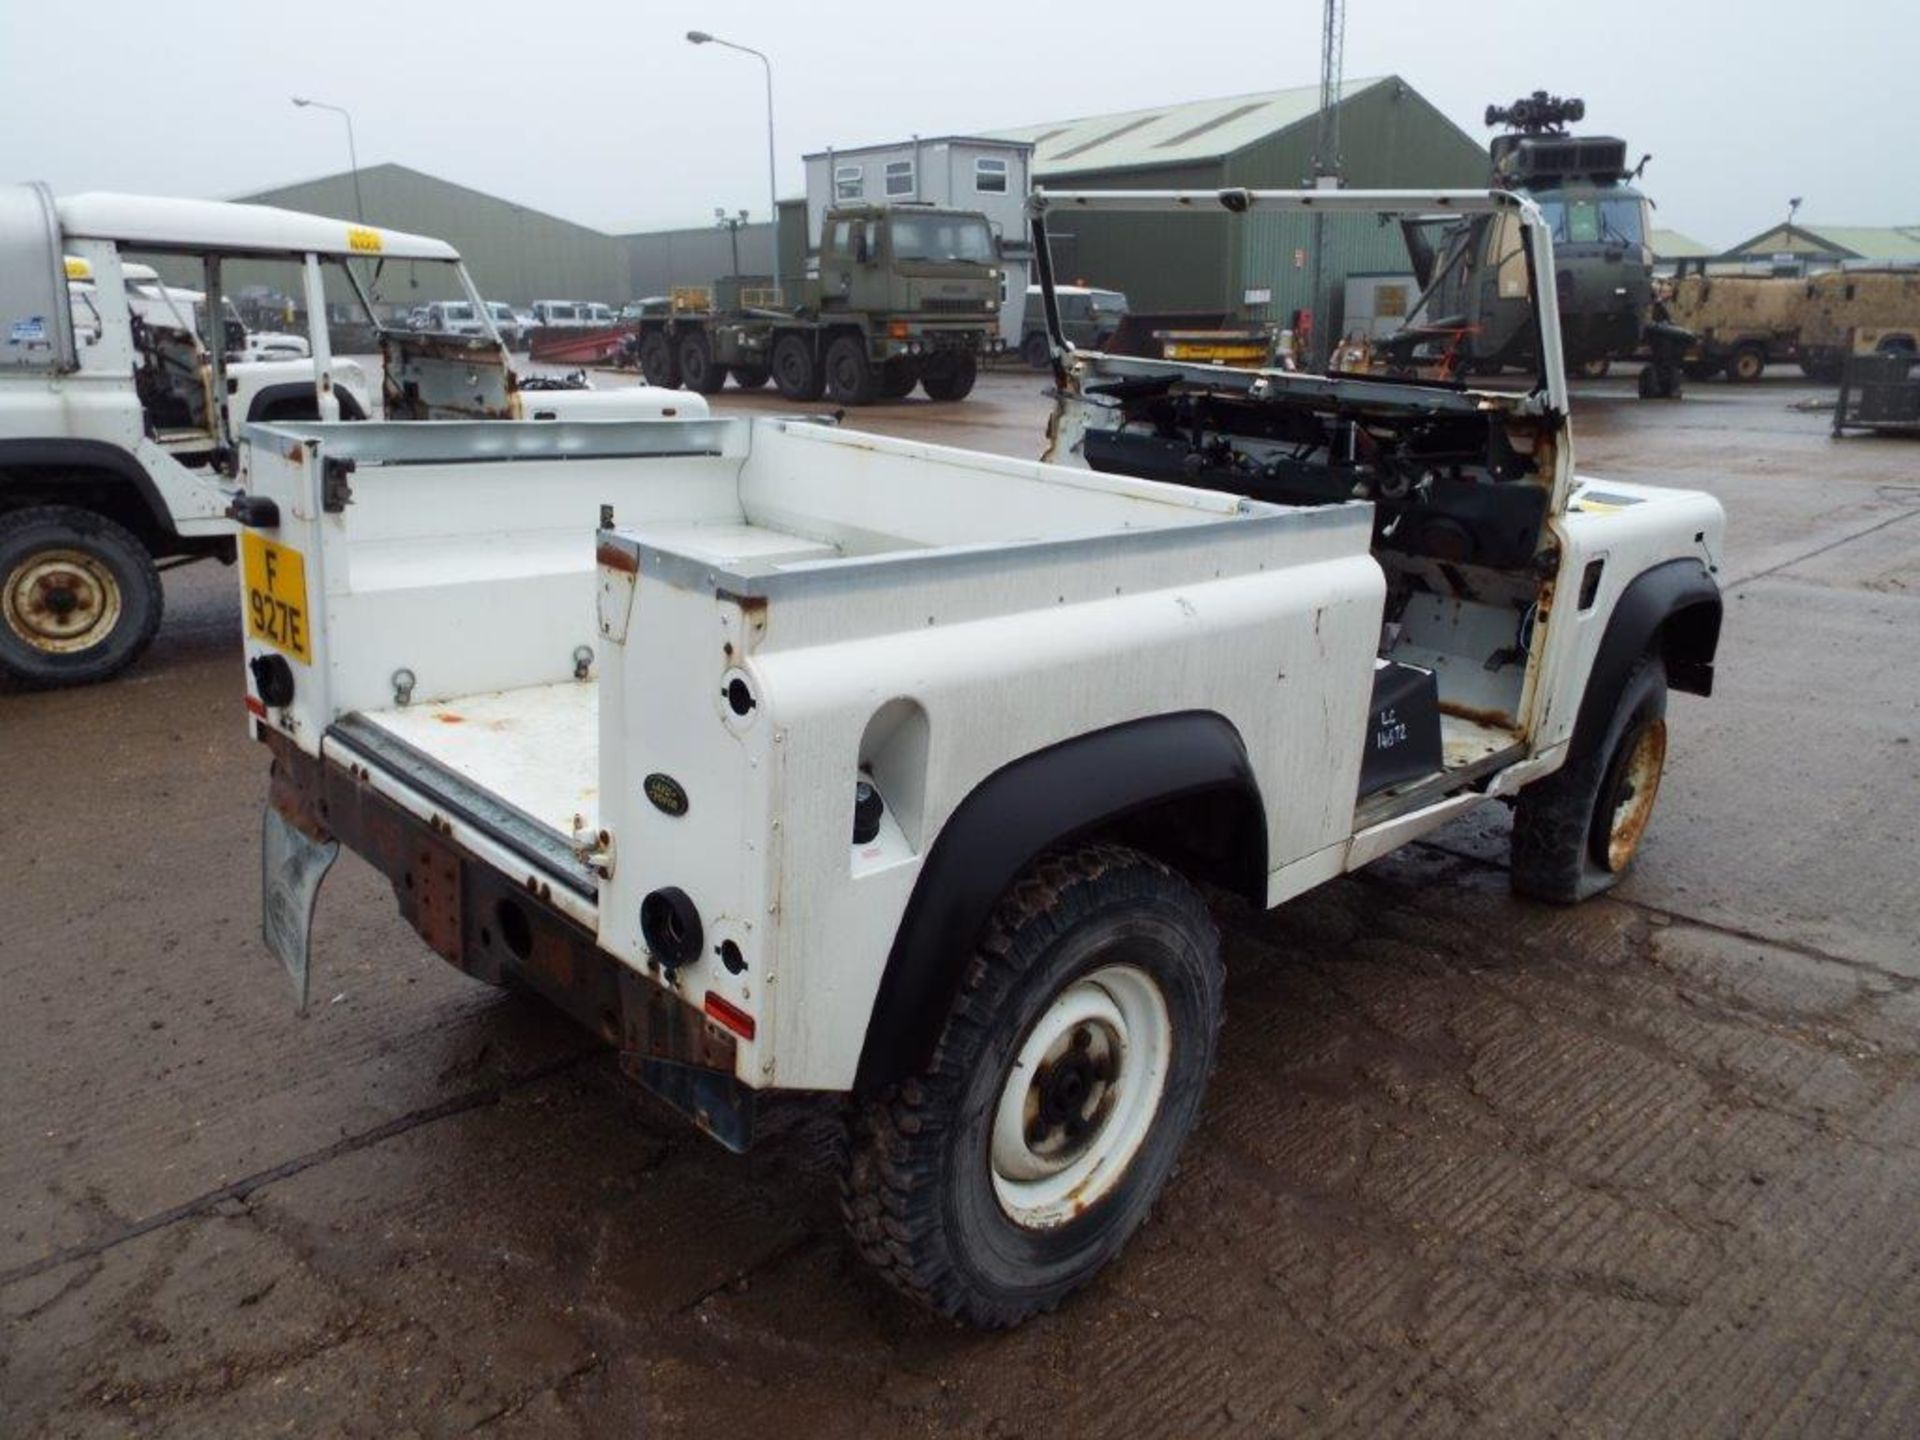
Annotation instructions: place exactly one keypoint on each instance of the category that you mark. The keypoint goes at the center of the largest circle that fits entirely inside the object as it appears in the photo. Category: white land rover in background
(118, 424)
(787, 758)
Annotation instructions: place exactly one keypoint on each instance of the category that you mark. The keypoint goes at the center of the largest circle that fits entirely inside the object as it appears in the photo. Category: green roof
(1198, 130)
(1850, 242)
(1673, 245)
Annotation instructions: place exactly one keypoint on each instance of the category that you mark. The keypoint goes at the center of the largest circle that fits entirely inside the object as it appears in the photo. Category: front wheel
(80, 598)
(1747, 364)
(949, 375)
(852, 378)
(1068, 1074)
(898, 377)
(1576, 832)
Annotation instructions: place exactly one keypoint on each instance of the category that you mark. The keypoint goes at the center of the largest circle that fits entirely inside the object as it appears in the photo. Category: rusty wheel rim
(61, 601)
(1634, 792)
(1081, 1096)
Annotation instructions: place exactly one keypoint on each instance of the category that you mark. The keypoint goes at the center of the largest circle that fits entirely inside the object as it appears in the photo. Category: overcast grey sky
(601, 112)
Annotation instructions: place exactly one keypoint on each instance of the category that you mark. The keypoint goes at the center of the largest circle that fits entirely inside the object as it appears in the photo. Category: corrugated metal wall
(1391, 138)
(515, 254)
(662, 259)
(1162, 262)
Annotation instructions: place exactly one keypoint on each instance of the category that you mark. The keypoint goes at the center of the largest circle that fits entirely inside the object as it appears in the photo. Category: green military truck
(905, 295)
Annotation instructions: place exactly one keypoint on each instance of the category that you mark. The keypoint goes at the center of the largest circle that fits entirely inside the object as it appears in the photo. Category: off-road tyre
(698, 370)
(1568, 829)
(99, 564)
(1746, 364)
(898, 377)
(949, 376)
(919, 1193)
(1036, 352)
(751, 377)
(657, 363)
(794, 372)
(852, 379)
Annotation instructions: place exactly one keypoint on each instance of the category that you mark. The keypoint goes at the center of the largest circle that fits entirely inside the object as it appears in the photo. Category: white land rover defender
(118, 422)
(789, 758)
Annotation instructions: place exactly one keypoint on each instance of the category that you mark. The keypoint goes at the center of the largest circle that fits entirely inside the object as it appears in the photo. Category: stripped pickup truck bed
(788, 758)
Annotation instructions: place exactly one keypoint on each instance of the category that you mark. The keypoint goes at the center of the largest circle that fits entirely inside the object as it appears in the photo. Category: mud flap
(292, 865)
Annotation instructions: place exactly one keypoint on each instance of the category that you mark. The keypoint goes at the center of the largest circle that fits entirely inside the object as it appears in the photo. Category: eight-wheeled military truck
(906, 295)
(118, 422)
(787, 758)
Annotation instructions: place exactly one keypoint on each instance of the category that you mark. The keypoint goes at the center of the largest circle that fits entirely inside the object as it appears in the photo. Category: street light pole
(731, 224)
(353, 154)
(701, 37)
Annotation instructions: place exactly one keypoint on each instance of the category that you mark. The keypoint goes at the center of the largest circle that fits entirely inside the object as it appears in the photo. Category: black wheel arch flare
(53, 459)
(1178, 785)
(1674, 606)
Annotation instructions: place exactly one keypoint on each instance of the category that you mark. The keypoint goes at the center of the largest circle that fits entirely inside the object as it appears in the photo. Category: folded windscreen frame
(1449, 289)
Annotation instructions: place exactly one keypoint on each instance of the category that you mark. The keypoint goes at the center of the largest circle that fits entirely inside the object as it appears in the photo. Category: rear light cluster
(725, 1012)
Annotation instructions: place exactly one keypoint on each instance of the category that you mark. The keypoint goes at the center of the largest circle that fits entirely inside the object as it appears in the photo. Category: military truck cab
(900, 295)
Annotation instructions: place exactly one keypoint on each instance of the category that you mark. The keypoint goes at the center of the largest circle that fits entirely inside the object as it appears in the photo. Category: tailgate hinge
(335, 493)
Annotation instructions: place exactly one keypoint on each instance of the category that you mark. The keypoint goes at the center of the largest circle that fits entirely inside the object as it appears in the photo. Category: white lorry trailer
(828, 762)
(118, 422)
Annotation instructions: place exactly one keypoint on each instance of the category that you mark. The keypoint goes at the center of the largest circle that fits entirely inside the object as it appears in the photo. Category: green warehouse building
(1258, 267)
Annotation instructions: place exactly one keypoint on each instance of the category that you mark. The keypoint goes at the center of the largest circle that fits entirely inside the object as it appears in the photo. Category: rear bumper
(504, 929)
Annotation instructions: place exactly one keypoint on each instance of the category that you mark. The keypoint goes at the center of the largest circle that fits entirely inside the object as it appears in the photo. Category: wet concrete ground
(1470, 1166)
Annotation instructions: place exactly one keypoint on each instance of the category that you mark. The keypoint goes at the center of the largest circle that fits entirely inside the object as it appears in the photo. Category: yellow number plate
(276, 595)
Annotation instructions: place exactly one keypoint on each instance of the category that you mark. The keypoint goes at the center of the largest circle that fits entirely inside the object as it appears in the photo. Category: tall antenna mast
(1333, 44)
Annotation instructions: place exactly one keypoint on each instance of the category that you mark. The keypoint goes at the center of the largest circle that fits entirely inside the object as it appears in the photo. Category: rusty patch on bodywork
(658, 1025)
(617, 557)
(429, 896)
(1499, 719)
(490, 923)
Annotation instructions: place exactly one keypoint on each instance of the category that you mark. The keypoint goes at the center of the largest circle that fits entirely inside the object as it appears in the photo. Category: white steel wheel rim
(1081, 1096)
(61, 601)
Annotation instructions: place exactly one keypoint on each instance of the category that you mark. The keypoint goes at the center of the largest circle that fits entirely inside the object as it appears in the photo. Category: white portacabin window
(849, 182)
(989, 175)
(899, 178)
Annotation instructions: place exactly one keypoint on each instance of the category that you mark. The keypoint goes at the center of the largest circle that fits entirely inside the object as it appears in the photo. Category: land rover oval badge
(665, 793)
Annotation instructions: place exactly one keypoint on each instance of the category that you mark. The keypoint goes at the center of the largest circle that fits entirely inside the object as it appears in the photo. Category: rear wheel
(851, 377)
(1068, 1074)
(656, 360)
(949, 376)
(697, 367)
(794, 372)
(1747, 364)
(1577, 832)
(750, 377)
(1036, 351)
(80, 597)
